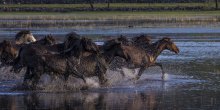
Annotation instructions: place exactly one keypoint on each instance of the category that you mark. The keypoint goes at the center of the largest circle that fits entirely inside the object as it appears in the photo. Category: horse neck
(156, 49)
(109, 56)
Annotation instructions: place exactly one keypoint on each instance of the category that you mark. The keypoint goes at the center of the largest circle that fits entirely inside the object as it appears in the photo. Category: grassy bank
(112, 5)
(109, 18)
(112, 15)
(104, 7)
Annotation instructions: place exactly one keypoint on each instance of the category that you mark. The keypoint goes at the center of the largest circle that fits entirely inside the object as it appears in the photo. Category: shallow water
(192, 79)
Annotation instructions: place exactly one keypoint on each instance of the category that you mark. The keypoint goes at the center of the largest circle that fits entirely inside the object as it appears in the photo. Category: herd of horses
(79, 56)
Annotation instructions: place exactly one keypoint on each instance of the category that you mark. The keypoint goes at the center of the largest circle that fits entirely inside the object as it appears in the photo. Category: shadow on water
(178, 91)
(148, 99)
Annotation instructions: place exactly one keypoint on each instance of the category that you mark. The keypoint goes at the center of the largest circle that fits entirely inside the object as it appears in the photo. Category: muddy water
(192, 77)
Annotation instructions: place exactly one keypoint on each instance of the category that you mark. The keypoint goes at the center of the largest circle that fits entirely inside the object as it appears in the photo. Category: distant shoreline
(206, 6)
(103, 19)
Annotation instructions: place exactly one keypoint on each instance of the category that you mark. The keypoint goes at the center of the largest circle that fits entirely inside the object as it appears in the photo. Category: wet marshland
(192, 77)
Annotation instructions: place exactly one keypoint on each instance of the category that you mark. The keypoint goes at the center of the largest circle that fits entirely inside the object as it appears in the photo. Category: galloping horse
(24, 37)
(143, 54)
(7, 48)
(93, 64)
(7, 53)
(153, 51)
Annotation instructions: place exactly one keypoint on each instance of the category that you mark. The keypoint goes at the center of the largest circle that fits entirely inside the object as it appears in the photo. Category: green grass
(217, 12)
(112, 5)
(111, 15)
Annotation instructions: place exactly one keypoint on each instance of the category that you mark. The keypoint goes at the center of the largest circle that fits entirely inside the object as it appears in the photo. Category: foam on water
(149, 79)
(92, 83)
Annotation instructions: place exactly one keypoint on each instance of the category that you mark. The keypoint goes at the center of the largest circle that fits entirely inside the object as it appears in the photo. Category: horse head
(122, 39)
(71, 39)
(7, 52)
(49, 40)
(169, 45)
(89, 45)
(24, 36)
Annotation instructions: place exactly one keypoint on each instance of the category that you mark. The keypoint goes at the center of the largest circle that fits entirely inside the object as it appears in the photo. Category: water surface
(192, 79)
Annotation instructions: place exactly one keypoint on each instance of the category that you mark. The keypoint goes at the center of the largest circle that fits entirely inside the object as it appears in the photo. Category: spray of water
(115, 79)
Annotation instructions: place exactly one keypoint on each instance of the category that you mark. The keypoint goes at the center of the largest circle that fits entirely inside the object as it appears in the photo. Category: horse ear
(166, 39)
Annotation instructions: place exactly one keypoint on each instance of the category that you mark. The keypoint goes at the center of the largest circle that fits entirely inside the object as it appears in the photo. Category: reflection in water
(88, 100)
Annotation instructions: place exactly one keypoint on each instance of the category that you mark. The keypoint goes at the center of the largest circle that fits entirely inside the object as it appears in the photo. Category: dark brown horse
(93, 64)
(7, 53)
(45, 61)
(72, 42)
(7, 48)
(152, 52)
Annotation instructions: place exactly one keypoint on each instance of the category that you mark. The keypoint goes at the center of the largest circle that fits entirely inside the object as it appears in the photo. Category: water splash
(151, 78)
(92, 83)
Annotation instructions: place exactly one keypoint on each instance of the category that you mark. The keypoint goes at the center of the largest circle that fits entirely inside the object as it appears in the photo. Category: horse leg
(122, 73)
(35, 76)
(74, 71)
(1, 65)
(140, 72)
(66, 76)
(100, 70)
(16, 68)
(101, 75)
(27, 76)
(35, 80)
(160, 65)
(77, 74)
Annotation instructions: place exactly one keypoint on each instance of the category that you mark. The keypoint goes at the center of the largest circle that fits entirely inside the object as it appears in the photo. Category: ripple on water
(12, 93)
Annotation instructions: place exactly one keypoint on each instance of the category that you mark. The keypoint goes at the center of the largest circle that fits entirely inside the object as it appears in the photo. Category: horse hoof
(134, 79)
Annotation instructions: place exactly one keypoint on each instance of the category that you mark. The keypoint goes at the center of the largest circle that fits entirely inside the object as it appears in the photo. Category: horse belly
(58, 66)
(87, 67)
(137, 59)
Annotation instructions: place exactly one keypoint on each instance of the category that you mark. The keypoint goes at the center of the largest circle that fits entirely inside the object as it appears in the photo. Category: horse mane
(110, 44)
(89, 45)
(164, 39)
(142, 38)
(122, 39)
(22, 32)
(72, 34)
(70, 39)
